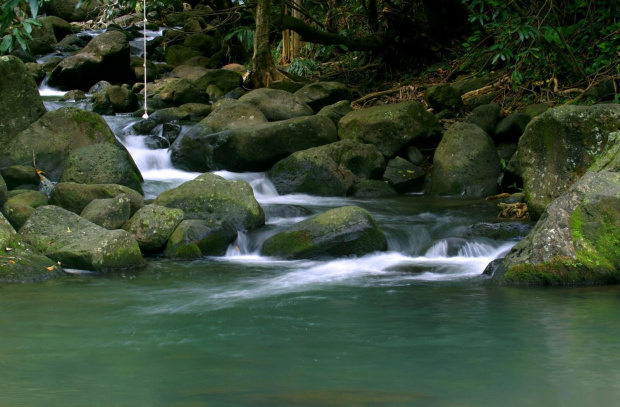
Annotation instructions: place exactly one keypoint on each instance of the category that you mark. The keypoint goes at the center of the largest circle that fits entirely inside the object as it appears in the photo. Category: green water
(207, 334)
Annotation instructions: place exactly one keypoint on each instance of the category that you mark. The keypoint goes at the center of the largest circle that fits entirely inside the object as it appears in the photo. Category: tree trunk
(264, 71)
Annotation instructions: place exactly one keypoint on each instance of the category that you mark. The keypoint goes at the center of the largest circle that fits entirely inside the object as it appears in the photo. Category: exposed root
(515, 211)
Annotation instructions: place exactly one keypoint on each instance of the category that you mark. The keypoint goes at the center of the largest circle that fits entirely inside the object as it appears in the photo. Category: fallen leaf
(12, 261)
(50, 268)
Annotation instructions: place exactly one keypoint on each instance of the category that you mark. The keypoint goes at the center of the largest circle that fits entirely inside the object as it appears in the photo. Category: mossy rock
(372, 188)
(443, 97)
(152, 225)
(346, 231)
(224, 79)
(336, 111)
(321, 94)
(75, 197)
(404, 176)
(486, 117)
(182, 91)
(277, 104)
(177, 54)
(17, 175)
(19, 208)
(194, 239)
(111, 213)
(4, 192)
(216, 200)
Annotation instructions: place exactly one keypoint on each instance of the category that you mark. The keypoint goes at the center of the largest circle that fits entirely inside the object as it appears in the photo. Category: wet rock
(74, 95)
(277, 104)
(152, 225)
(465, 163)
(211, 198)
(115, 99)
(339, 232)
(403, 176)
(508, 230)
(75, 197)
(78, 243)
(110, 213)
(194, 238)
(389, 127)
(372, 188)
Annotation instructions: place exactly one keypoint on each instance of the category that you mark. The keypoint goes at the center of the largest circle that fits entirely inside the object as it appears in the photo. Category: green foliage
(541, 39)
(303, 67)
(244, 34)
(17, 19)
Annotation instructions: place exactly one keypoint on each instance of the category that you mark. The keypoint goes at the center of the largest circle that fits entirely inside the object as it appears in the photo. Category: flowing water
(415, 326)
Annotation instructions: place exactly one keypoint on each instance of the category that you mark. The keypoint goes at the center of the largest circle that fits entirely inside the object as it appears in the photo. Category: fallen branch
(377, 94)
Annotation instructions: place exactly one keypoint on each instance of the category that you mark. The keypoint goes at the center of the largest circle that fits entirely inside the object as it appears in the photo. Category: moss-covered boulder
(68, 9)
(103, 163)
(110, 213)
(4, 192)
(181, 91)
(224, 79)
(465, 163)
(559, 146)
(18, 208)
(75, 197)
(53, 137)
(195, 238)
(336, 111)
(177, 54)
(329, 170)
(152, 226)
(249, 148)
(18, 175)
(231, 116)
(24, 106)
(320, 94)
(277, 104)
(576, 241)
(78, 243)
(486, 117)
(389, 127)
(346, 231)
(105, 57)
(372, 188)
(511, 128)
(214, 199)
(115, 99)
(443, 97)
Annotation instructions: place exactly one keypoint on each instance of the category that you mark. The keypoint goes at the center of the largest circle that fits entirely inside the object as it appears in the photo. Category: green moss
(559, 271)
(289, 244)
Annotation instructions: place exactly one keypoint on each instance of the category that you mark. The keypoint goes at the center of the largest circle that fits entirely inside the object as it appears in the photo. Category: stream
(415, 326)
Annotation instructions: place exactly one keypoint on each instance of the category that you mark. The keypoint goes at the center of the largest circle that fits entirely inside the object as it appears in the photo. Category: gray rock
(508, 230)
(389, 127)
(486, 117)
(329, 170)
(212, 198)
(115, 99)
(224, 79)
(277, 104)
(336, 111)
(110, 213)
(465, 163)
(344, 231)
(4, 192)
(25, 105)
(19, 208)
(511, 127)
(18, 175)
(233, 115)
(414, 155)
(321, 94)
(152, 225)
(182, 91)
(68, 9)
(178, 54)
(443, 97)
(403, 176)
(372, 188)
(194, 238)
(75, 197)
(78, 243)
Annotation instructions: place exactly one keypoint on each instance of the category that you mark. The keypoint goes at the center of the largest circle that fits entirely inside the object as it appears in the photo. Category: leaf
(344, 47)
(7, 44)
(34, 7)
(21, 41)
(50, 268)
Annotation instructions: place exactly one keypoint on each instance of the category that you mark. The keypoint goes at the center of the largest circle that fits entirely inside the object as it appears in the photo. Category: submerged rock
(344, 231)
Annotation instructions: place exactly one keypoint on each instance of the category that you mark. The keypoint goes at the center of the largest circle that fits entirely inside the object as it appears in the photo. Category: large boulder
(194, 238)
(78, 243)
(20, 263)
(24, 105)
(75, 197)
(18, 175)
(53, 137)
(4, 191)
(224, 79)
(404, 176)
(110, 213)
(178, 92)
(560, 145)
(250, 148)
(214, 199)
(115, 99)
(277, 104)
(345, 231)
(68, 9)
(231, 116)
(443, 97)
(465, 163)
(336, 111)
(152, 226)
(575, 241)
(18, 208)
(103, 163)
(486, 117)
(320, 94)
(389, 127)
(329, 170)
(178, 54)
(105, 57)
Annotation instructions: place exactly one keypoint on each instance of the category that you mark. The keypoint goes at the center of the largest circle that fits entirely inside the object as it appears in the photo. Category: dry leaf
(50, 268)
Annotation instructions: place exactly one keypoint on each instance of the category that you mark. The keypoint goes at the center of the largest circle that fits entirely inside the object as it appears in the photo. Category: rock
(18, 175)
(75, 197)
(286, 211)
(371, 188)
(68, 9)
(329, 170)
(468, 84)
(575, 241)
(336, 111)
(290, 87)
(389, 127)
(152, 225)
(560, 145)
(24, 56)
(106, 57)
(4, 193)
(177, 54)
(179, 92)
(403, 176)
(98, 87)
(18, 208)
(321, 94)
(53, 137)
(214, 92)
(206, 44)
(37, 72)
(25, 105)
(465, 163)
(249, 148)
(414, 155)
(277, 104)
(194, 238)
(346, 231)
(115, 99)
(102, 164)
(485, 117)
(197, 110)
(71, 43)
(75, 95)
(78, 243)
(604, 91)
(190, 72)
(479, 100)
(168, 115)
(535, 109)
(231, 116)
(508, 230)
(19, 262)
(443, 97)
(212, 198)
(61, 28)
(224, 79)
(511, 127)
(506, 151)
(110, 213)
(42, 38)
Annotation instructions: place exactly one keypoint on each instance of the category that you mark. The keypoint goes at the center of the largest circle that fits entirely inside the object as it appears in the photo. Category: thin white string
(145, 115)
